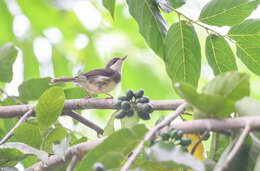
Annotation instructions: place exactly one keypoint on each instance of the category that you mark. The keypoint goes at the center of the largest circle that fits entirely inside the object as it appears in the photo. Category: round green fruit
(129, 94)
(120, 114)
(139, 94)
(125, 105)
(123, 98)
(130, 113)
(185, 142)
(143, 100)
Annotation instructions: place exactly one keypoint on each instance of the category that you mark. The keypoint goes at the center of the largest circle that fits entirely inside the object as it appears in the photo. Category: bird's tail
(61, 80)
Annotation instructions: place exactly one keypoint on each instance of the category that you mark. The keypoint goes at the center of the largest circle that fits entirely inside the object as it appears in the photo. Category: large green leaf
(8, 54)
(247, 33)
(227, 12)
(110, 6)
(75, 93)
(55, 135)
(152, 25)
(121, 142)
(28, 134)
(219, 54)
(9, 157)
(168, 152)
(182, 54)
(219, 142)
(49, 106)
(32, 89)
(6, 24)
(247, 107)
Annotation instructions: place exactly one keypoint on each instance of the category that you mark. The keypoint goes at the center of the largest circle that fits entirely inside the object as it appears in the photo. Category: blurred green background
(65, 37)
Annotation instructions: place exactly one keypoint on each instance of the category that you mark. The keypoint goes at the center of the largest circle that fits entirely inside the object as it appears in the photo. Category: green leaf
(6, 24)
(247, 38)
(109, 128)
(240, 161)
(152, 25)
(110, 6)
(33, 138)
(169, 152)
(60, 148)
(219, 55)
(246, 33)
(10, 156)
(122, 141)
(55, 135)
(61, 65)
(227, 13)
(49, 106)
(75, 93)
(128, 122)
(178, 3)
(182, 54)
(8, 54)
(26, 149)
(32, 89)
(219, 143)
(247, 107)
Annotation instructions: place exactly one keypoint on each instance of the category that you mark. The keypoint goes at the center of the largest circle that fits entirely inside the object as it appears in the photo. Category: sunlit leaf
(219, 55)
(6, 24)
(61, 148)
(227, 13)
(49, 106)
(8, 54)
(247, 107)
(55, 135)
(110, 6)
(109, 128)
(182, 54)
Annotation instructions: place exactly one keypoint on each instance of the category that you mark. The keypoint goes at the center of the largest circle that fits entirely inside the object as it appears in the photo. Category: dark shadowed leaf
(28, 134)
(219, 55)
(110, 6)
(120, 143)
(219, 142)
(8, 54)
(227, 13)
(32, 89)
(182, 54)
(152, 25)
(49, 106)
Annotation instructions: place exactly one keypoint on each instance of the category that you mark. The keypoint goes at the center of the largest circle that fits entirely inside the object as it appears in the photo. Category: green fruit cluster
(98, 167)
(133, 103)
(175, 137)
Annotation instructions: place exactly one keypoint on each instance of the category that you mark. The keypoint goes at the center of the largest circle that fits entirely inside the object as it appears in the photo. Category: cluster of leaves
(134, 103)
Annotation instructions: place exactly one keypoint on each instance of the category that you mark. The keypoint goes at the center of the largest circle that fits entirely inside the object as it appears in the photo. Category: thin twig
(92, 103)
(201, 138)
(21, 121)
(84, 121)
(236, 148)
(17, 101)
(150, 134)
(73, 163)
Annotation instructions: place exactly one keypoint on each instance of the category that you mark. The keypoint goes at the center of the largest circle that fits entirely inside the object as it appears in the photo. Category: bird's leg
(110, 96)
(89, 96)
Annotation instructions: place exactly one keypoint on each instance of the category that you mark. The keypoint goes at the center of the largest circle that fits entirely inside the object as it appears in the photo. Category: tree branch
(73, 163)
(84, 121)
(150, 134)
(236, 148)
(21, 121)
(200, 125)
(79, 150)
(92, 103)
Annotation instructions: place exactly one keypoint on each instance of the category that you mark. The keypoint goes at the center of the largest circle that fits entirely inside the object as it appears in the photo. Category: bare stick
(200, 125)
(21, 121)
(92, 103)
(79, 150)
(236, 148)
(85, 121)
(73, 163)
(150, 134)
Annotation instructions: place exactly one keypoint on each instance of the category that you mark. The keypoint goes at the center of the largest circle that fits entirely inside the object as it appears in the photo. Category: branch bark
(54, 161)
(92, 103)
(150, 134)
(200, 125)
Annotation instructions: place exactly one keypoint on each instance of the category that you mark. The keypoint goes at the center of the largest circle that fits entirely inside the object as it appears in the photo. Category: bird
(98, 81)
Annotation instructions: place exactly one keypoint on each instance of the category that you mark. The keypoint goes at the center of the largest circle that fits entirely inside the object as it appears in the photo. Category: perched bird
(98, 81)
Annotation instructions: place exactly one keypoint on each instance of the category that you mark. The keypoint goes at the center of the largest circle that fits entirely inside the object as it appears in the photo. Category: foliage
(167, 60)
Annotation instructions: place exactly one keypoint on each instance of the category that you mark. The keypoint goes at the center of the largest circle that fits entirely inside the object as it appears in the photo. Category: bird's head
(116, 63)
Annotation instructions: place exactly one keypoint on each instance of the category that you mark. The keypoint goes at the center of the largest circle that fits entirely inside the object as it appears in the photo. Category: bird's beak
(122, 59)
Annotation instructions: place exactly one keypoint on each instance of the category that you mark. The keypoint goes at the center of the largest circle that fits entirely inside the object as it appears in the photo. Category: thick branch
(93, 103)
(84, 121)
(21, 121)
(201, 125)
(54, 161)
(150, 134)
